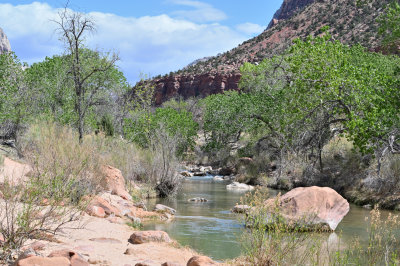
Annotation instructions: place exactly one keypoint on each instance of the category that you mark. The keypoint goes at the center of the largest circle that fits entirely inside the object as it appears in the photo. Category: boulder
(239, 186)
(99, 201)
(74, 258)
(114, 181)
(206, 169)
(316, 207)
(200, 261)
(164, 209)
(218, 178)
(96, 211)
(199, 173)
(141, 237)
(42, 261)
(241, 208)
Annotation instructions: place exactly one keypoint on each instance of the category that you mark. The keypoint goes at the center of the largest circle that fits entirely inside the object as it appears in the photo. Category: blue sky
(152, 37)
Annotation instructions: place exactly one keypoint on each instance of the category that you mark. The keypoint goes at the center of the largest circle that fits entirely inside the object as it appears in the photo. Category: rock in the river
(206, 169)
(239, 186)
(218, 178)
(314, 207)
(141, 237)
(200, 261)
(199, 173)
(164, 209)
(241, 208)
(198, 200)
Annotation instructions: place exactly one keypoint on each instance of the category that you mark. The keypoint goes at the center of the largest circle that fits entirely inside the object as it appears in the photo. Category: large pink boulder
(318, 207)
(115, 182)
(141, 237)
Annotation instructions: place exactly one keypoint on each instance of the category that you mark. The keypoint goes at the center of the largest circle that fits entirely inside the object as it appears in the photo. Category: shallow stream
(211, 229)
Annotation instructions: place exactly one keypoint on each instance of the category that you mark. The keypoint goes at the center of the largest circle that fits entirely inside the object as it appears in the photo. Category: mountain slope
(296, 18)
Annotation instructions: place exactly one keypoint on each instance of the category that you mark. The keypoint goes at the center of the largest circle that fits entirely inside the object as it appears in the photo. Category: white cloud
(250, 28)
(150, 44)
(202, 12)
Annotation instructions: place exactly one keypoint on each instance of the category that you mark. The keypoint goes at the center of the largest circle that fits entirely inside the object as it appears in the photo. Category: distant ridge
(348, 23)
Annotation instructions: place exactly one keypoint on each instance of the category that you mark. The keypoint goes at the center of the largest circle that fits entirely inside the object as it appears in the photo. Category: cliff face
(4, 43)
(188, 86)
(348, 23)
(288, 9)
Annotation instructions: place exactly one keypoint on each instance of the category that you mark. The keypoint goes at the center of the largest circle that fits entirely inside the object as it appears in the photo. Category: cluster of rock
(207, 170)
(116, 202)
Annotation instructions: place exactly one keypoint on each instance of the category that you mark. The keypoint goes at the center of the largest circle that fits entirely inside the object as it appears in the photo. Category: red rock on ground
(74, 258)
(96, 211)
(141, 237)
(200, 261)
(42, 261)
(104, 204)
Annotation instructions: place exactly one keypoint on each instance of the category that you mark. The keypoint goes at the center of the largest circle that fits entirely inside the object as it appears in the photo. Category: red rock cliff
(194, 85)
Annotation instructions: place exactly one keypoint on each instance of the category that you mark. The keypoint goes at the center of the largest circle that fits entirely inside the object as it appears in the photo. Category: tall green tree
(89, 71)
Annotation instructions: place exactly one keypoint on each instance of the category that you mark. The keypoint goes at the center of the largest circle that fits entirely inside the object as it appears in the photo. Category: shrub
(36, 209)
(58, 159)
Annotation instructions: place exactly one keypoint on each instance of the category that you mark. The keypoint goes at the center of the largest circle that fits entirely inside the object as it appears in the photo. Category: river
(211, 229)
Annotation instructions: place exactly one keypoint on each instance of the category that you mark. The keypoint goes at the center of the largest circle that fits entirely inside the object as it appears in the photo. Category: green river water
(211, 229)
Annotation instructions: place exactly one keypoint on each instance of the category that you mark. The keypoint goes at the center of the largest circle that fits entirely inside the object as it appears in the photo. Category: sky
(152, 37)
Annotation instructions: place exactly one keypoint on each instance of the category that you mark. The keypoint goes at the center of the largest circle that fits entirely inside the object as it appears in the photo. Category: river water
(211, 229)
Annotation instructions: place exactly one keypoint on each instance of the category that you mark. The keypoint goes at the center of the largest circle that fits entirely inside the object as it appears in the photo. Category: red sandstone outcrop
(188, 86)
(316, 206)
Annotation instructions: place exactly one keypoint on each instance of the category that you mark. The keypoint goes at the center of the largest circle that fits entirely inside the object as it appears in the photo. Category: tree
(13, 95)
(88, 70)
(316, 89)
(390, 25)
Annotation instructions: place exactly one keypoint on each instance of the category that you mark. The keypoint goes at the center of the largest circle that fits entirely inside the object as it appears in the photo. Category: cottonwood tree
(90, 71)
